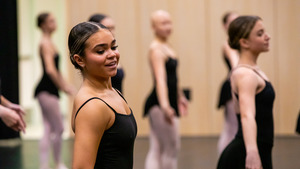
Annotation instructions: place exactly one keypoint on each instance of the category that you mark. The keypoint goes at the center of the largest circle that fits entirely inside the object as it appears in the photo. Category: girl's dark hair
(42, 18)
(78, 36)
(225, 17)
(240, 28)
(97, 18)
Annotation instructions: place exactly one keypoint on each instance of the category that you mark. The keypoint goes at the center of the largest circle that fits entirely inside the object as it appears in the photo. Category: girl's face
(163, 26)
(109, 23)
(50, 23)
(258, 38)
(101, 55)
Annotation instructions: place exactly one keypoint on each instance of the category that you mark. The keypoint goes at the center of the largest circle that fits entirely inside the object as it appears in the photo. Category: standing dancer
(47, 93)
(231, 58)
(104, 125)
(166, 100)
(254, 97)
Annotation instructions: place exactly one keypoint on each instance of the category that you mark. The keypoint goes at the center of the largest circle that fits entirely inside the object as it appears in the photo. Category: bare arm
(157, 62)
(90, 125)
(246, 85)
(182, 102)
(11, 105)
(231, 54)
(5, 102)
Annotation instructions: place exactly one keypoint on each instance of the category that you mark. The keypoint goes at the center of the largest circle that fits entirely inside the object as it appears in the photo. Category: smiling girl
(103, 123)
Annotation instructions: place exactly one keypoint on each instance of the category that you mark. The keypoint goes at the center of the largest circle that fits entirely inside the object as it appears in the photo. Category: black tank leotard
(116, 146)
(235, 153)
(46, 84)
(225, 93)
(117, 80)
(171, 66)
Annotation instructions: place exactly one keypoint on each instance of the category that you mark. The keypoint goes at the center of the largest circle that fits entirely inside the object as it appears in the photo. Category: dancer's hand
(17, 108)
(253, 160)
(12, 119)
(183, 106)
(20, 111)
(169, 114)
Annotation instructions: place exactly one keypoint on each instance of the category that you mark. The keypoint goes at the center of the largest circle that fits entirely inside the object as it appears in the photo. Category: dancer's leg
(167, 137)
(52, 115)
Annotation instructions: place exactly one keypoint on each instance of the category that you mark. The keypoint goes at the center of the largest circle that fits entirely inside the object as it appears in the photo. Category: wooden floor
(196, 153)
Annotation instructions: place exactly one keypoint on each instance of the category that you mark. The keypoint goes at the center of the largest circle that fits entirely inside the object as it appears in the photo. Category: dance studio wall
(197, 37)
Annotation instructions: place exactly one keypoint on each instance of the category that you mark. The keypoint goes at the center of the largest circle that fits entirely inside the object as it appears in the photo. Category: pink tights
(164, 141)
(53, 128)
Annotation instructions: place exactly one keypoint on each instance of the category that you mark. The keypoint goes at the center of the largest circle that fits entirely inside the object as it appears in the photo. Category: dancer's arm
(231, 54)
(12, 106)
(182, 102)
(246, 86)
(91, 122)
(157, 62)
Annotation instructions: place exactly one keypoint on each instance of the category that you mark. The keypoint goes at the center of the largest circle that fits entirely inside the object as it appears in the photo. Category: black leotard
(225, 93)
(117, 80)
(298, 124)
(235, 153)
(46, 84)
(264, 115)
(171, 66)
(117, 143)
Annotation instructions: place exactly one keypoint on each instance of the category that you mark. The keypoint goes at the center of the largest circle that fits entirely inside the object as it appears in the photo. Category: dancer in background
(254, 97)
(104, 125)
(231, 57)
(110, 24)
(166, 101)
(47, 93)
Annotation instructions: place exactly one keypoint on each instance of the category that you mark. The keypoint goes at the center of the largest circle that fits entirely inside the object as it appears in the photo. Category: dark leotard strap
(90, 100)
(247, 66)
(120, 95)
(102, 101)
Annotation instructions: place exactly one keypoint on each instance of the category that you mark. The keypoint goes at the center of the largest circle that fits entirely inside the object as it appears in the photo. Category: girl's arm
(182, 102)
(246, 86)
(91, 122)
(231, 54)
(157, 62)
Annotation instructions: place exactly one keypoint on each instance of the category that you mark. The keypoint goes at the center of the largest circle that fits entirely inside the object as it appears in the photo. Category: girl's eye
(114, 47)
(100, 52)
(260, 33)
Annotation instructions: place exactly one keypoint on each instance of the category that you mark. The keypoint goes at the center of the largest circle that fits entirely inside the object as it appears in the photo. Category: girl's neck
(46, 34)
(160, 39)
(98, 85)
(248, 58)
